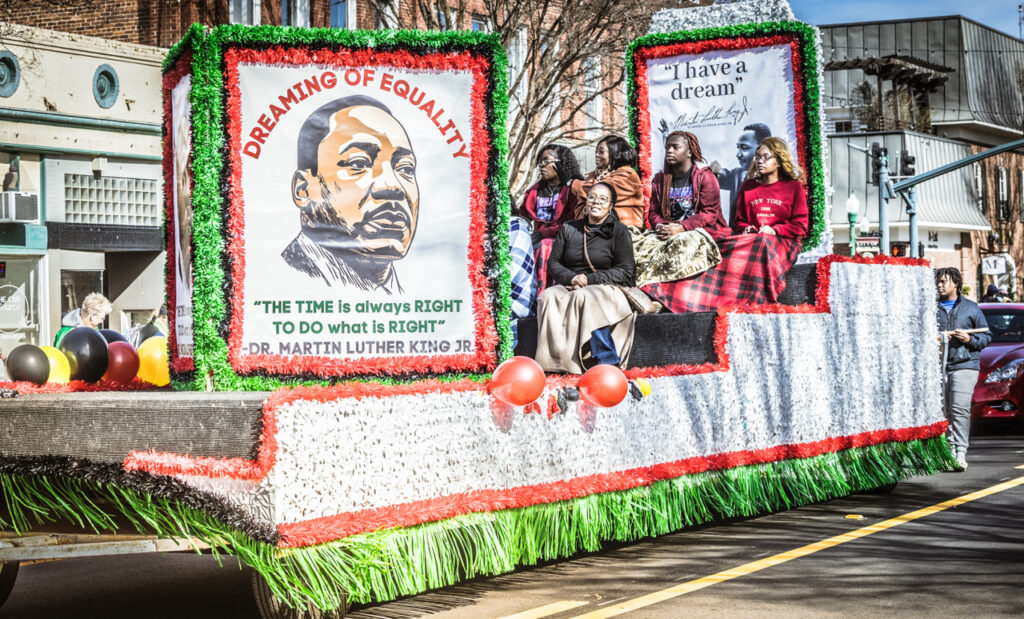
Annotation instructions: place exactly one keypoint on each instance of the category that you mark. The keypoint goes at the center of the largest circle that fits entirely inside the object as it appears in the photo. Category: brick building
(594, 80)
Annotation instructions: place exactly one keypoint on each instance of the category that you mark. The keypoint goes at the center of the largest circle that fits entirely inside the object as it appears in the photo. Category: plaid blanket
(541, 253)
(753, 270)
(524, 286)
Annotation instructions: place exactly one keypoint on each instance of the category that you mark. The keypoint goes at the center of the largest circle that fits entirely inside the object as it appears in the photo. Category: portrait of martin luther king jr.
(356, 191)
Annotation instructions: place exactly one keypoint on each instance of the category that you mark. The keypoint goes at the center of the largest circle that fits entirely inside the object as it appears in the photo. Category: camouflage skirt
(683, 255)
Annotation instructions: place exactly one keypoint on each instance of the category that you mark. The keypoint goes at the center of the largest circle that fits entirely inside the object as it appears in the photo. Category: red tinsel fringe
(163, 463)
(170, 79)
(329, 528)
(486, 334)
(27, 388)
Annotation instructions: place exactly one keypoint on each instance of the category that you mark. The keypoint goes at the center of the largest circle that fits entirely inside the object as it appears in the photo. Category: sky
(999, 14)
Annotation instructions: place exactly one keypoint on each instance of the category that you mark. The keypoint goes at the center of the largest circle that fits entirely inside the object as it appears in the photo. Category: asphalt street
(965, 560)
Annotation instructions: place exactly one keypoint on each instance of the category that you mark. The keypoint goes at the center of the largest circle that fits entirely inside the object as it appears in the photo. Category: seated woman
(550, 202)
(616, 166)
(684, 216)
(590, 259)
(771, 219)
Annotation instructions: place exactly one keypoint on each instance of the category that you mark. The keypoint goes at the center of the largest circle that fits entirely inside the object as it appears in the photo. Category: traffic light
(907, 164)
(878, 155)
(900, 249)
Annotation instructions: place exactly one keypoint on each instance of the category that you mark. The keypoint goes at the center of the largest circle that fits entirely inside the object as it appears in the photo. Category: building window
(76, 285)
(480, 23)
(245, 12)
(295, 13)
(387, 15)
(339, 14)
(21, 283)
(552, 107)
(517, 70)
(593, 107)
(979, 184)
(111, 200)
(844, 126)
(1003, 194)
(10, 73)
(443, 19)
(105, 86)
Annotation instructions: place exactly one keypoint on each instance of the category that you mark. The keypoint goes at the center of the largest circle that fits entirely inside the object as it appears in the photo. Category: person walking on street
(956, 315)
(991, 294)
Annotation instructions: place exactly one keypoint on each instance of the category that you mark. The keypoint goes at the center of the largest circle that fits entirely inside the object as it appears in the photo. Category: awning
(949, 202)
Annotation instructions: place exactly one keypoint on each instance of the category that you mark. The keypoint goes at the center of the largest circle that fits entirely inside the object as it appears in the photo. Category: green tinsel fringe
(808, 36)
(384, 565)
(207, 99)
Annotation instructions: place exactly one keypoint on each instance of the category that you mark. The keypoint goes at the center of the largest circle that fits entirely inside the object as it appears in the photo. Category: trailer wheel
(271, 608)
(8, 572)
(883, 489)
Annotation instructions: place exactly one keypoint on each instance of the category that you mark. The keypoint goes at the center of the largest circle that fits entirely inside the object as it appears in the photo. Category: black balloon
(112, 336)
(86, 351)
(29, 363)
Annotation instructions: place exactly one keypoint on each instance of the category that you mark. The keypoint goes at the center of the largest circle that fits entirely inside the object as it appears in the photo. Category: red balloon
(518, 381)
(123, 362)
(604, 385)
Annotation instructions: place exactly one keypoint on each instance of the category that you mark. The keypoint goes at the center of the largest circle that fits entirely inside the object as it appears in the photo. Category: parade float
(341, 427)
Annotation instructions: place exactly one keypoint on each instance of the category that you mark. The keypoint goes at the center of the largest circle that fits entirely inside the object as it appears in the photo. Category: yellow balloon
(60, 369)
(153, 365)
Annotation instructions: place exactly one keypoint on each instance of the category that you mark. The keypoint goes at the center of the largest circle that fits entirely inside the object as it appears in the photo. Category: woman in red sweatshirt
(772, 200)
(771, 220)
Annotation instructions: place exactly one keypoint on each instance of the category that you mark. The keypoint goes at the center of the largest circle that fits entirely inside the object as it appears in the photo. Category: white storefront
(80, 122)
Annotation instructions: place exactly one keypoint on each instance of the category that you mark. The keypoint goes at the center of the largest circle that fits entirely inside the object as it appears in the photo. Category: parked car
(999, 393)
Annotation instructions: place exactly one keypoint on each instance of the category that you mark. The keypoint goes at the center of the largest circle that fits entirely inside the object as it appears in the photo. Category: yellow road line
(547, 610)
(756, 566)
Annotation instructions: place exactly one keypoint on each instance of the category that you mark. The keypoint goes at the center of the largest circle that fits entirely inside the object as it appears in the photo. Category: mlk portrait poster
(354, 182)
(730, 99)
(181, 213)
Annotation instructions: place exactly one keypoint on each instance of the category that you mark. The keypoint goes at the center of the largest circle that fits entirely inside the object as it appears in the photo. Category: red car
(999, 393)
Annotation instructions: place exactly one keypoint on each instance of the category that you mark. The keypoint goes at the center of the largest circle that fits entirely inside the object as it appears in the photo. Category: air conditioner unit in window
(19, 207)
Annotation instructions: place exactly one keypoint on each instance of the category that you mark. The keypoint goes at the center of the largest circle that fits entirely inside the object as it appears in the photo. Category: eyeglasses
(599, 199)
(767, 157)
(543, 163)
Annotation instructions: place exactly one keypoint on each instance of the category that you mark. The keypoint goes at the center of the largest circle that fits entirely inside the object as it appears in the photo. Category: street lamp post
(852, 208)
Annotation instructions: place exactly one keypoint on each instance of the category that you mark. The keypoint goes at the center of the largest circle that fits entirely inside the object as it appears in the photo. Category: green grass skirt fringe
(387, 564)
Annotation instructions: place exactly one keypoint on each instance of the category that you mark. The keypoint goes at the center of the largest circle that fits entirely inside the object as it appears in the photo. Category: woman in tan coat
(616, 163)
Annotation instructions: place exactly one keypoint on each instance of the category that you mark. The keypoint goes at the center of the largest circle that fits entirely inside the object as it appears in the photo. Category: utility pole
(907, 171)
(906, 187)
(880, 178)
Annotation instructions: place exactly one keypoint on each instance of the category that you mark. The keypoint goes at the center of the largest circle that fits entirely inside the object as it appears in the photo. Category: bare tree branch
(550, 44)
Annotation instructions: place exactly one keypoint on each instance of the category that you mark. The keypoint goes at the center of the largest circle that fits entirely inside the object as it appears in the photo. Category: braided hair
(953, 274)
(666, 180)
(567, 167)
